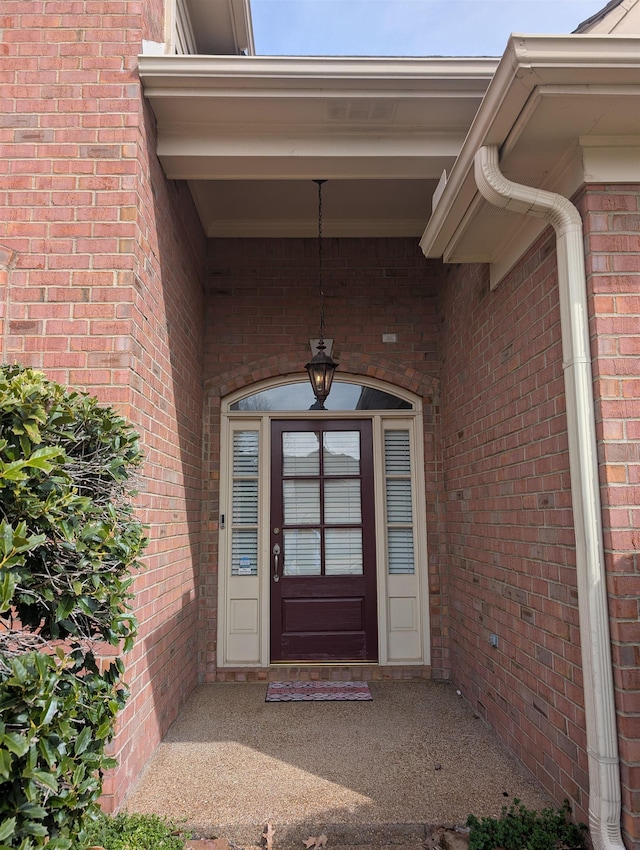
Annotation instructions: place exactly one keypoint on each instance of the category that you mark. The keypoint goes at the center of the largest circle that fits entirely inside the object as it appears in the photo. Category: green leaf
(13, 471)
(7, 828)
(78, 774)
(46, 779)
(16, 743)
(31, 810)
(7, 589)
(19, 671)
(6, 760)
(47, 752)
(65, 607)
(38, 830)
(82, 741)
(6, 530)
(52, 708)
(32, 431)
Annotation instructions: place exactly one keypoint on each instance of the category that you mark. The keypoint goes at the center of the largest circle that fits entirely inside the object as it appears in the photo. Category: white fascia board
(529, 61)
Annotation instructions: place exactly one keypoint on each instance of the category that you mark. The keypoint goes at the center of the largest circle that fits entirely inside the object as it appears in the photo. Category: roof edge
(521, 69)
(184, 69)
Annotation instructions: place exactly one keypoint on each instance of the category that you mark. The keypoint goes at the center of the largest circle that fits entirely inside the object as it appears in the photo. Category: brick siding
(612, 228)
(101, 263)
(510, 543)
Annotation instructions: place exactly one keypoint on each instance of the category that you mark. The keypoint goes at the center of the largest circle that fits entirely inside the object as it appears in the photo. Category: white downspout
(602, 742)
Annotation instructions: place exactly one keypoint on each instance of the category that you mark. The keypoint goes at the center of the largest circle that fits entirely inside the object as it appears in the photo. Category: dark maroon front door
(323, 569)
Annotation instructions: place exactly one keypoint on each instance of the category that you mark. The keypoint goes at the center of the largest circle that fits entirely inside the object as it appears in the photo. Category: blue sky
(407, 27)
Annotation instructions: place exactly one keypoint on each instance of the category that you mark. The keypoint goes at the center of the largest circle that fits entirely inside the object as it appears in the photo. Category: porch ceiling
(250, 133)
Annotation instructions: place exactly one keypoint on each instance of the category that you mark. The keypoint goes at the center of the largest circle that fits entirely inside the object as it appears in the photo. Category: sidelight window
(399, 502)
(244, 504)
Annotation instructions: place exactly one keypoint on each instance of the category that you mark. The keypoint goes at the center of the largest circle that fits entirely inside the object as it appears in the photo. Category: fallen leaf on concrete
(268, 836)
(313, 843)
(208, 844)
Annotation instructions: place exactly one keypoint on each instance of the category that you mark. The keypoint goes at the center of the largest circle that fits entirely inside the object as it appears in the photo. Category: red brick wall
(262, 309)
(104, 292)
(508, 525)
(612, 227)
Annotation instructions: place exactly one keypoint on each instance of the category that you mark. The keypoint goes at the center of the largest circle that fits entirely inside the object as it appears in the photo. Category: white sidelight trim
(602, 742)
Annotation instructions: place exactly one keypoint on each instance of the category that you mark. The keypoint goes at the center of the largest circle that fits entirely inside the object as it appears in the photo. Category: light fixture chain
(320, 263)
(321, 368)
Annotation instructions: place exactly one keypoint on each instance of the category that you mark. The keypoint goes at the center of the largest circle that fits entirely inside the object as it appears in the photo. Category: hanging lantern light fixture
(321, 368)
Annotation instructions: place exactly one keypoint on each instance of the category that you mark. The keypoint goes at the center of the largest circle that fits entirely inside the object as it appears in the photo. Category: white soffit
(236, 127)
(551, 97)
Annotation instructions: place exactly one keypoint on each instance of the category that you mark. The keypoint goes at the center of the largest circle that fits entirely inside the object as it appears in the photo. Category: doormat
(317, 691)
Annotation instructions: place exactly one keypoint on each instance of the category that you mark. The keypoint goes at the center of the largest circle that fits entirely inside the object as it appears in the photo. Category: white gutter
(602, 742)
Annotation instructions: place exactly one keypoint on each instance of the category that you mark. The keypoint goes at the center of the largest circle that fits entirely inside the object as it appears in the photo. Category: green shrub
(68, 544)
(56, 721)
(522, 829)
(133, 832)
(64, 467)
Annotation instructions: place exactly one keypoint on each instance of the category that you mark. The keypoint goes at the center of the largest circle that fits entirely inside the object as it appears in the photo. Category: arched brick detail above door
(355, 365)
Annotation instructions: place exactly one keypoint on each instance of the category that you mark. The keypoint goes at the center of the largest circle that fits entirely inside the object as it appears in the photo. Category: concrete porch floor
(416, 755)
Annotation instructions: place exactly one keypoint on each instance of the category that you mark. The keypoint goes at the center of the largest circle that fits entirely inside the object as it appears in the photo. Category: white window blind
(399, 502)
(244, 504)
(342, 502)
(343, 552)
(301, 502)
(341, 453)
(300, 453)
(302, 548)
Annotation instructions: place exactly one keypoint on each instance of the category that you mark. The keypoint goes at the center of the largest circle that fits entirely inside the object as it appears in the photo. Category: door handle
(276, 562)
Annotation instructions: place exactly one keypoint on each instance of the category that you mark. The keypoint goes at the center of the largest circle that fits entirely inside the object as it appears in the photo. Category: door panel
(323, 564)
(319, 615)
